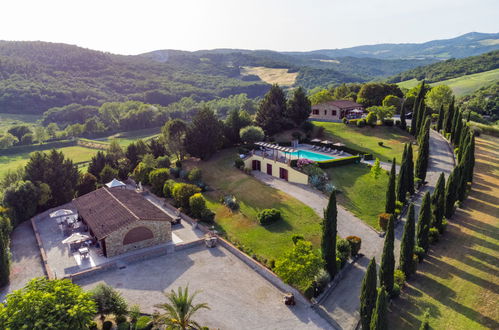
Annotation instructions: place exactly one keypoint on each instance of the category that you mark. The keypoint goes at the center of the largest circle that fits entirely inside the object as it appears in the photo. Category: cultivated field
(458, 282)
(367, 138)
(271, 75)
(462, 85)
(269, 241)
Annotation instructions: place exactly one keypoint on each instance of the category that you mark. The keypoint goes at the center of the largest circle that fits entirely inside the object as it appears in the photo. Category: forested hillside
(452, 68)
(36, 76)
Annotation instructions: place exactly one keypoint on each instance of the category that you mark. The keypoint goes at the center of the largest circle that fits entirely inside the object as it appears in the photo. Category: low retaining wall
(43, 255)
(183, 246)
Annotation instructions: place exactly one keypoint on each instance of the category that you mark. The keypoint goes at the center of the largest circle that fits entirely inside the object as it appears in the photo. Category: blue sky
(132, 27)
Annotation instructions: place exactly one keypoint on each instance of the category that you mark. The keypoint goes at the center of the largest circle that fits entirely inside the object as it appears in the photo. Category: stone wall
(162, 234)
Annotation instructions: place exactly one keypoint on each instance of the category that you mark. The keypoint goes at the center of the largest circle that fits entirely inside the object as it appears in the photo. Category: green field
(458, 282)
(366, 139)
(271, 241)
(7, 120)
(76, 153)
(125, 138)
(462, 85)
(359, 192)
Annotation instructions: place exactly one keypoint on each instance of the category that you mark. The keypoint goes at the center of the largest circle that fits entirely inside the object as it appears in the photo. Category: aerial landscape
(249, 165)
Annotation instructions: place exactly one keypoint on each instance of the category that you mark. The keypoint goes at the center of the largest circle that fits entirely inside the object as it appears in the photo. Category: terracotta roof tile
(106, 210)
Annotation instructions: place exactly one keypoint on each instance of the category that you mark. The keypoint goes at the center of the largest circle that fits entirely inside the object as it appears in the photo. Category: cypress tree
(424, 153)
(456, 135)
(470, 159)
(463, 144)
(390, 192)
(329, 232)
(387, 266)
(468, 118)
(440, 118)
(454, 123)
(368, 294)
(462, 183)
(422, 120)
(379, 320)
(410, 170)
(403, 122)
(438, 202)
(402, 178)
(416, 109)
(424, 221)
(5, 230)
(450, 194)
(449, 118)
(407, 243)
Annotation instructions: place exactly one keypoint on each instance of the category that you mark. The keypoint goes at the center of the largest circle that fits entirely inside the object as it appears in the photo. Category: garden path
(342, 303)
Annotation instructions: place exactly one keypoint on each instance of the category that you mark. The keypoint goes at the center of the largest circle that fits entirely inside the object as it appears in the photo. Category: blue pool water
(310, 155)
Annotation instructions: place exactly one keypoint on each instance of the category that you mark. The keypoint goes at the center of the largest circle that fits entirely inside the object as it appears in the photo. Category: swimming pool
(310, 155)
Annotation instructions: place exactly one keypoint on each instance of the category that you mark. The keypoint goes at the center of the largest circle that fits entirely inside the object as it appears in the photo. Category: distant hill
(452, 68)
(469, 44)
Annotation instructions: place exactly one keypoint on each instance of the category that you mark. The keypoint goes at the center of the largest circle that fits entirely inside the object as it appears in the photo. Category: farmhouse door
(269, 169)
(257, 165)
(283, 173)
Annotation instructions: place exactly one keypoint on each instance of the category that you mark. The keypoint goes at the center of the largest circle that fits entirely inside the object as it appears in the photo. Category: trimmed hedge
(339, 162)
(268, 216)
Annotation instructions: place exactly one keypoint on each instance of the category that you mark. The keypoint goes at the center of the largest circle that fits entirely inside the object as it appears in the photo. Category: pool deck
(284, 157)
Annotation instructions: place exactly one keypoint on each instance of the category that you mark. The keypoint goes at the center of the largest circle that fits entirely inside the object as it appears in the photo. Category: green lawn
(76, 153)
(360, 193)
(462, 85)
(367, 138)
(125, 138)
(459, 280)
(271, 241)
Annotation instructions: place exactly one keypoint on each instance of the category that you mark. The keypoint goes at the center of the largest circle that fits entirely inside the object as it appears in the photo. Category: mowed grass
(271, 75)
(75, 153)
(366, 139)
(461, 85)
(271, 241)
(360, 192)
(459, 281)
(125, 138)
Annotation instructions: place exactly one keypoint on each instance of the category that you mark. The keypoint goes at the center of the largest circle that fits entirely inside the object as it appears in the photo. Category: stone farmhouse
(336, 110)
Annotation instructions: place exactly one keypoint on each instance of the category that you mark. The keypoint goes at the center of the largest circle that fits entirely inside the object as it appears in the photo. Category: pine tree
(407, 244)
(403, 122)
(450, 193)
(270, 113)
(299, 107)
(390, 192)
(410, 170)
(204, 134)
(440, 118)
(379, 318)
(402, 178)
(329, 232)
(387, 266)
(424, 153)
(368, 294)
(424, 221)
(438, 202)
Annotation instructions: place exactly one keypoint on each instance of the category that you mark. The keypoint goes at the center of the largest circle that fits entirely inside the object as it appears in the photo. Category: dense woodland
(451, 68)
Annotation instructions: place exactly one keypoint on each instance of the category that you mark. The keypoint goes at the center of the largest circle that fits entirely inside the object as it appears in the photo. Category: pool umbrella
(61, 213)
(326, 142)
(75, 238)
(339, 144)
(315, 140)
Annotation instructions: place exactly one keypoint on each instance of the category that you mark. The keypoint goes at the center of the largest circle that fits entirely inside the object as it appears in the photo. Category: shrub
(433, 235)
(398, 207)
(239, 163)
(355, 244)
(168, 187)
(120, 319)
(107, 325)
(383, 220)
(143, 323)
(174, 172)
(178, 164)
(296, 135)
(231, 202)
(399, 278)
(207, 216)
(380, 143)
(251, 134)
(157, 180)
(163, 162)
(419, 252)
(371, 119)
(368, 157)
(321, 281)
(444, 225)
(197, 205)
(338, 162)
(361, 123)
(268, 216)
(295, 238)
(181, 193)
(194, 175)
(397, 123)
(353, 121)
(182, 174)
(124, 326)
(395, 291)
(343, 251)
(345, 121)
(388, 122)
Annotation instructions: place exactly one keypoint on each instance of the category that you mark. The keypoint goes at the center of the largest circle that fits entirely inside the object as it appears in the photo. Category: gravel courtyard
(239, 298)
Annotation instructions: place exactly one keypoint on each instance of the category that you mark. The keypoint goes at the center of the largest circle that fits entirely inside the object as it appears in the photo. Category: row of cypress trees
(5, 230)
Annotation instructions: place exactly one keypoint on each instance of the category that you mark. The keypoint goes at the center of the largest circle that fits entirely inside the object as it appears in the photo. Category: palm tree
(180, 309)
